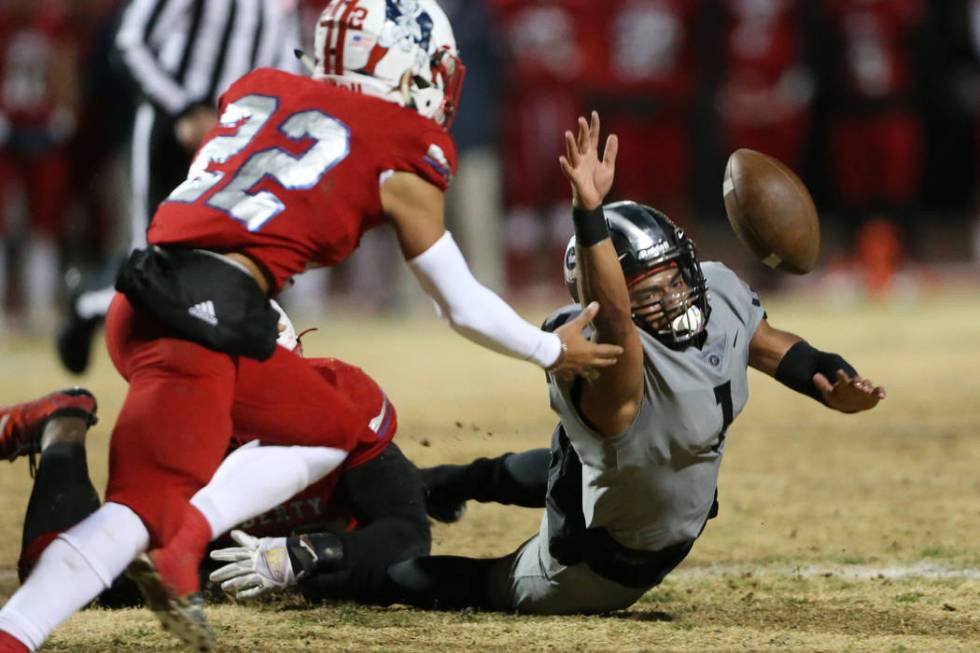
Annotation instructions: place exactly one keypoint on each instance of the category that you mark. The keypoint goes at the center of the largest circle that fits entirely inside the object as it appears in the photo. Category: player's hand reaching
(847, 394)
(581, 356)
(257, 567)
(590, 177)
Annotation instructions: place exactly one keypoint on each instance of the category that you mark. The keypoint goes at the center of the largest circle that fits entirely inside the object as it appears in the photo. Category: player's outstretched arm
(415, 207)
(824, 376)
(610, 399)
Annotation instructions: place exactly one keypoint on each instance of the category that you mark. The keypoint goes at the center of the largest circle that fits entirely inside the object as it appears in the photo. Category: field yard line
(923, 569)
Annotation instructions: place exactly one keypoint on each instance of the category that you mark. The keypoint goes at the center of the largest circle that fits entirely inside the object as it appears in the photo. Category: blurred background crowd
(875, 102)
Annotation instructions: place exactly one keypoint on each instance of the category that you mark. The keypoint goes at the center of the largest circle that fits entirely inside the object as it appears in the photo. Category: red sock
(10, 644)
(179, 561)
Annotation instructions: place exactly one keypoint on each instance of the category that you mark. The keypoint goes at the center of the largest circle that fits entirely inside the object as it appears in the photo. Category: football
(771, 211)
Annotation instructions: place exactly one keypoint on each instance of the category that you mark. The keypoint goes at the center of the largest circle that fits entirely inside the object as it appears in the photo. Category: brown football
(771, 211)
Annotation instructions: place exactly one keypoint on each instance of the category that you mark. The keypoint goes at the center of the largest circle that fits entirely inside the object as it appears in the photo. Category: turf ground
(836, 533)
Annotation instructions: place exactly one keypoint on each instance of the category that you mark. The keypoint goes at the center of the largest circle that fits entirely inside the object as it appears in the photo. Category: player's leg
(45, 187)
(386, 497)
(514, 479)
(283, 401)
(80, 562)
(254, 479)
(63, 494)
(171, 435)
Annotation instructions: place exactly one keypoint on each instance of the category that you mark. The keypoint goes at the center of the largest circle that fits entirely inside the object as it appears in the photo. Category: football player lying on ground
(634, 460)
(343, 530)
(294, 173)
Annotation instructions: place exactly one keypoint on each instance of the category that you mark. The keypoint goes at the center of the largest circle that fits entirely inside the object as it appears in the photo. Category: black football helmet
(645, 240)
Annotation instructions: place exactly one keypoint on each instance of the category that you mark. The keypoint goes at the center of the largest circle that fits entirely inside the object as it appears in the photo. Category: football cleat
(22, 425)
(181, 616)
(76, 333)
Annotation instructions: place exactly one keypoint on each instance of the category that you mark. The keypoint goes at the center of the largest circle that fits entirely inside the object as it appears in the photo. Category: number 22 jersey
(291, 174)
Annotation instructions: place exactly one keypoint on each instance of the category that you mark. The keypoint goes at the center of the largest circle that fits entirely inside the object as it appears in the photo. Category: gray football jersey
(654, 485)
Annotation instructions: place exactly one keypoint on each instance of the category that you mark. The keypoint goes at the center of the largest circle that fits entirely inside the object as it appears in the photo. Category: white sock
(3, 276)
(72, 571)
(255, 479)
(41, 276)
(95, 303)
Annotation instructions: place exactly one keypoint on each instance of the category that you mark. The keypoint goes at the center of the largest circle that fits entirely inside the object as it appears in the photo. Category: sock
(255, 479)
(41, 273)
(62, 495)
(94, 303)
(512, 479)
(73, 570)
(3, 273)
(179, 560)
(440, 582)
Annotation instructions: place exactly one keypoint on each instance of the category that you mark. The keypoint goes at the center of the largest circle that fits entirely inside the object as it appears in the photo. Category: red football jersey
(291, 174)
(877, 53)
(30, 40)
(316, 506)
(647, 48)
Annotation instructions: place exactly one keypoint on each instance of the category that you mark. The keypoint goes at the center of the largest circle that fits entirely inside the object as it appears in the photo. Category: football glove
(257, 567)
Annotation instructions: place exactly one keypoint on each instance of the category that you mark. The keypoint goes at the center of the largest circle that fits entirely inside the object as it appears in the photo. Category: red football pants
(44, 180)
(184, 401)
(877, 159)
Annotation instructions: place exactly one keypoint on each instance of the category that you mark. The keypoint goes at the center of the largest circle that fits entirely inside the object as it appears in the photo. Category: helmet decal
(402, 51)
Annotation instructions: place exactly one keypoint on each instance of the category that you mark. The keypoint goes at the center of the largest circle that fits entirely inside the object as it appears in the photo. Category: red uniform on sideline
(764, 99)
(316, 506)
(33, 152)
(644, 64)
(876, 145)
(290, 176)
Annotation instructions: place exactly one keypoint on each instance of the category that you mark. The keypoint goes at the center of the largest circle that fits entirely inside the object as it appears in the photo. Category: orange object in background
(879, 252)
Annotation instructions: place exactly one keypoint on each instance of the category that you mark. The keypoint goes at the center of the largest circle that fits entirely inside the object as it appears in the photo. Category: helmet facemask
(675, 310)
(668, 309)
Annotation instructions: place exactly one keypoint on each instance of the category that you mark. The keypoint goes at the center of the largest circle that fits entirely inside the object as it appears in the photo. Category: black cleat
(75, 334)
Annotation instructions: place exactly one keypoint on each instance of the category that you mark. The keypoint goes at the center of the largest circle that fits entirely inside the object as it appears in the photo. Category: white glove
(287, 332)
(257, 567)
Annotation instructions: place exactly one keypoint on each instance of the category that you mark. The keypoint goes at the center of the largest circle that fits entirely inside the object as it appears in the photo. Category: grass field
(836, 533)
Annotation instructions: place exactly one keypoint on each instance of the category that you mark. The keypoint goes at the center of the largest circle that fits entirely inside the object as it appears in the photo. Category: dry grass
(800, 486)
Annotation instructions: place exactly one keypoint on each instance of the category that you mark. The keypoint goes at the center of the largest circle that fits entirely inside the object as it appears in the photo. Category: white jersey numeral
(293, 172)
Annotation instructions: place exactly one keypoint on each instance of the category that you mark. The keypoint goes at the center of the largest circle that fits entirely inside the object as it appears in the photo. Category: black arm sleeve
(388, 502)
(801, 362)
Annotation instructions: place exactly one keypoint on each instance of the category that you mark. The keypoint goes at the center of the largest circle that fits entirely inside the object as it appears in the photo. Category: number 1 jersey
(291, 174)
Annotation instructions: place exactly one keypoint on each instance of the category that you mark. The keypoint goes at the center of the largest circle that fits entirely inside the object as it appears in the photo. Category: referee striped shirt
(187, 52)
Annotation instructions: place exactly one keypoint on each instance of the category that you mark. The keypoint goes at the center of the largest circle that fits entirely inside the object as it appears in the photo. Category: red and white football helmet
(402, 51)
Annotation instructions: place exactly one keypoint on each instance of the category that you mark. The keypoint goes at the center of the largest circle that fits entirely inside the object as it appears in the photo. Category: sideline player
(343, 531)
(294, 173)
(634, 461)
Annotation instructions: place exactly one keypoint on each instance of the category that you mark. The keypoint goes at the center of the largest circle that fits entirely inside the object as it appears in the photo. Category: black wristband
(801, 362)
(590, 226)
(316, 552)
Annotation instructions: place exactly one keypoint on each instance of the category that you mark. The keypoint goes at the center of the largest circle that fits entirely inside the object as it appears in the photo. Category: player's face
(659, 296)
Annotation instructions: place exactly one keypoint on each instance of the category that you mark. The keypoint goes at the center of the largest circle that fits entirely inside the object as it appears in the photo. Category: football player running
(634, 460)
(296, 170)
